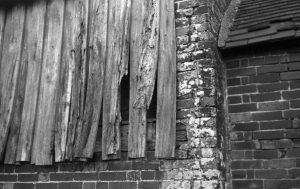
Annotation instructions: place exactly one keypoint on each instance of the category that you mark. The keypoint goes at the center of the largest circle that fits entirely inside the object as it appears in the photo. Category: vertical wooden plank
(75, 26)
(10, 64)
(78, 82)
(143, 65)
(116, 67)
(32, 54)
(15, 124)
(166, 83)
(46, 115)
(86, 137)
(2, 24)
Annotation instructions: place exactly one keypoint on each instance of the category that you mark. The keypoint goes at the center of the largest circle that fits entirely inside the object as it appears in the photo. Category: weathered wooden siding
(61, 70)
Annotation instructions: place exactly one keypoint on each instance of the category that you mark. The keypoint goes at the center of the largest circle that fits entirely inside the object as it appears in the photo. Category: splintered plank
(166, 83)
(78, 77)
(88, 127)
(143, 65)
(47, 104)
(75, 28)
(32, 54)
(115, 68)
(10, 66)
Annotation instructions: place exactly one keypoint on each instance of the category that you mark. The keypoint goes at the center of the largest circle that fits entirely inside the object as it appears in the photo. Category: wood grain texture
(86, 137)
(32, 54)
(10, 66)
(78, 81)
(166, 83)
(143, 65)
(43, 146)
(116, 67)
(75, 25)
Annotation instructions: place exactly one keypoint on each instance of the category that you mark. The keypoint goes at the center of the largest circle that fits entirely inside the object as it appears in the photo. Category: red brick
(248, 126)
(8, 178)
(245, 145)
(108, 176)
(291, 113)
(26, 168)
(284, 143)
(282, 124)
(271, 174)
(46, 186)
(267, 116)
(256, 61)
(239, 174)
(85, 176)
(242, 108)
(295, 152)
(148, 185)
(281, 184)
(272, 68)
(290, 95)
(69, 185)
(249, 164)
(122, 185)
(234, 99)
(268, 134)
(24, 186)
(294, 57)
(295, 103)
(61, 176)
(293, 133)
(237, 154)
(243, 184)
(246, 98)
(147, 175)
(293, 66)
(277, 105)
(294, 173)
(241, 72)
(272, 87)
(89, 185)
(272, 59)
(232, 64)
(296, 123)
(290, 75)
(265, 97)
(133, 175)
(267, 144)
(265, 78)
(279, 163)
(295, 84)
(233, 81)
(27, 177)
(102, 185)
(266, 154)
(242, 89)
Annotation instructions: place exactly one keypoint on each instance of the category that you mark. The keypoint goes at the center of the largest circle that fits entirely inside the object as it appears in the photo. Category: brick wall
(264, 109)
(200, 120)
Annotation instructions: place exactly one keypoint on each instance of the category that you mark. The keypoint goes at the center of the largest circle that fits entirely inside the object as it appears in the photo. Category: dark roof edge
(227, 22)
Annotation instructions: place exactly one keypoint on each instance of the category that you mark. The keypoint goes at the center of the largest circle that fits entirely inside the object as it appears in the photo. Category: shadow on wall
(11, 3)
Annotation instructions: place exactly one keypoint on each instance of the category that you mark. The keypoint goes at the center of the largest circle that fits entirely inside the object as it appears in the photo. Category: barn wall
(199, 160)
(263, 97)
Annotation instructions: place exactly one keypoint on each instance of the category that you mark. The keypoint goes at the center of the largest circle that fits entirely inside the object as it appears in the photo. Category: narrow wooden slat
(32, 54)
(75, 26)
(86, 137)
(10, 64)
(47, 107)
(78, 82)
(166, 83)
(15, 124)
(116, 67)
(143, 64)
